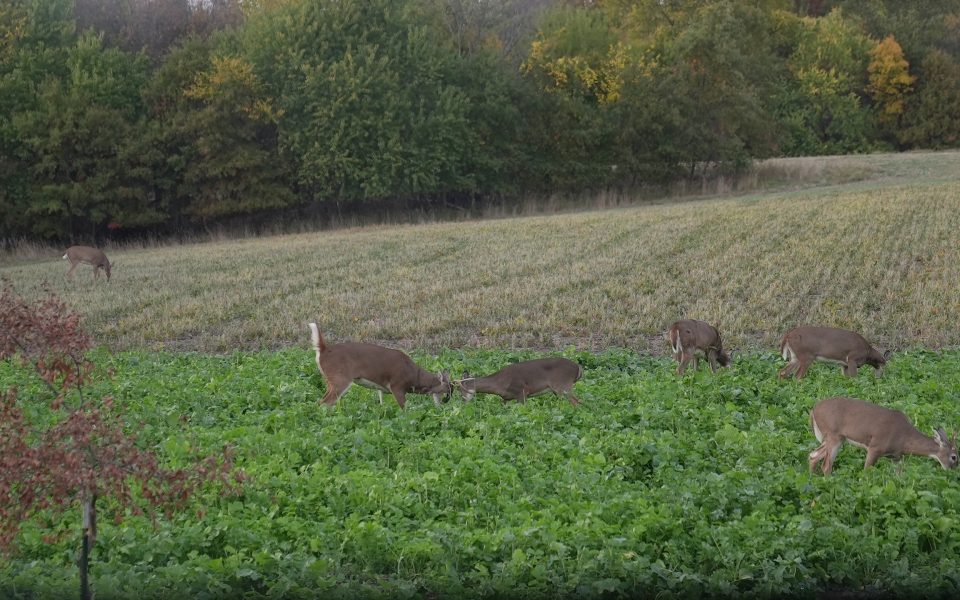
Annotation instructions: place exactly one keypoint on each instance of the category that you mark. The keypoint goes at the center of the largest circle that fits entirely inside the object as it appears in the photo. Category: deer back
(829, 342)
(384, 367)
(87, 254)
(531, 376)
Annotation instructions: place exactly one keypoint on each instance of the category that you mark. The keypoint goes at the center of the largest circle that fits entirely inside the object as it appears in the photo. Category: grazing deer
(526, 379)
(91, 256)
(882, 431)
(687, 336)
(802, 345)
(375, 367)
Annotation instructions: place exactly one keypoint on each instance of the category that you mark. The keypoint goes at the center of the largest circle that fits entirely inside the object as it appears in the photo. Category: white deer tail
(786, 352)
(317, 338)
(675, 342)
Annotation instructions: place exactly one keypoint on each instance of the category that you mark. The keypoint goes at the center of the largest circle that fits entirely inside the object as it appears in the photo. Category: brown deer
(375, 367)
(91, 256)
(526, 379)
(803, 345)
(882, 431)
(687, 336)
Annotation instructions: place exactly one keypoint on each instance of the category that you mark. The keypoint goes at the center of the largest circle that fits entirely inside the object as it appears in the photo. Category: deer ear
(887, 353)
(941, 437)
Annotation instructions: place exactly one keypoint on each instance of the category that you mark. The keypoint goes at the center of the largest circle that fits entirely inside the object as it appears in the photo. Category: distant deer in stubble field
(375, 367)
(88, 255)
(688, 336)
(882, 431)
(803, 345)
(526, 379)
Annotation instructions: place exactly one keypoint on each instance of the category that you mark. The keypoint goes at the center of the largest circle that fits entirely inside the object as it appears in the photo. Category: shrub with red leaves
(87, 454)
(47, 336)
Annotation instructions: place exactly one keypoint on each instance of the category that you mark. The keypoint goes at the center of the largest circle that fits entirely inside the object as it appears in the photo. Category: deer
(882, 431)
(687, 336)
(526, 379)
(88, 255)
(803, 345)
(385, 370)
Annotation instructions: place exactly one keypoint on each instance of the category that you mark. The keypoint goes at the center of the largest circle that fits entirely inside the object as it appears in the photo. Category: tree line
(124, 117)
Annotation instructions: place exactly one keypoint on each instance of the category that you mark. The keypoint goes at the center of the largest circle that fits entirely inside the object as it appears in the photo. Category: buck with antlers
(882, 431)
(375, 367)
(526, 379)
(88, 255)
(803, 345)
(688, 336)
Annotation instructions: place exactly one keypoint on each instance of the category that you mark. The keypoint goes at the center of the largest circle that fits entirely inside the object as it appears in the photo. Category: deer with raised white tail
(803, 345)
(526, 379)
(375, 367)
(882, 431)
(88, 255)
(689, 336)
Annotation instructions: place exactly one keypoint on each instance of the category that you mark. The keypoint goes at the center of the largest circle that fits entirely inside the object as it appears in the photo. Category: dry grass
(880, 255)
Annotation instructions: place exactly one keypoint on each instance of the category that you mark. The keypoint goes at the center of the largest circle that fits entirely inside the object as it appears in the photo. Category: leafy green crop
(654, 486)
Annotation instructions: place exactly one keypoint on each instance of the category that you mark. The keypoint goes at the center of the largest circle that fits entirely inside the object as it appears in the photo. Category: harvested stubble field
(880, 254)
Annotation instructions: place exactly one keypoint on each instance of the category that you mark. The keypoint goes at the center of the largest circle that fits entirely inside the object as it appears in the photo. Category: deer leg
(872, 457)
(832, 456)
(400, 395)
(825, 455)
(335, 391)
(96, 272)
(801, 369)
(712, 358)
(815, 457)
(380, 396)
(73, 266)
(789, 369)
(568, 394)
(899, 461)
(684, 361)
(850, 368)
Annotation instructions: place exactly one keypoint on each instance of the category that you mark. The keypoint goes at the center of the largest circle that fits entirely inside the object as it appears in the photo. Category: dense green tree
(722, 69)
(932, 116)
(919, 26)
(34, 36)
(165, 147)
(369, 108)
(233, 166)
(822, 105)
(71, 143)
(578, 62)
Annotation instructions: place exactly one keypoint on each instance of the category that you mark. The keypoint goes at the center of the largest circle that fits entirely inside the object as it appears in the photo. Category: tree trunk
(89, 535)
